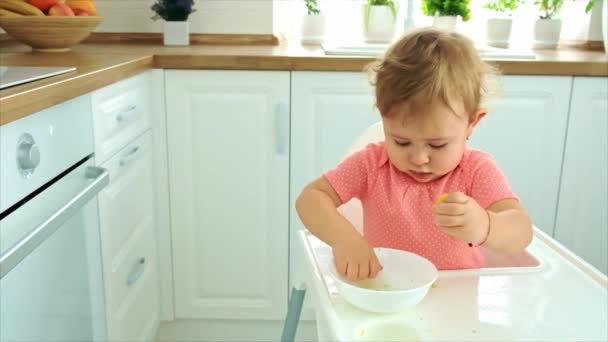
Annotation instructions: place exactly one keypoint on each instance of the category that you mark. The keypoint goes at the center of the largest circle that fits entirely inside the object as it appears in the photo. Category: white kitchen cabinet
(525, 130)
(124, 146)
(228, 143)
(582, 223)
(328, 111)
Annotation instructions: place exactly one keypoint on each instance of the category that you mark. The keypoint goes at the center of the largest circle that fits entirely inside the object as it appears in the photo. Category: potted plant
(445, 13)
(498, 29)
(176, 30)
(313, 23)
(379, 20)
(547, 27)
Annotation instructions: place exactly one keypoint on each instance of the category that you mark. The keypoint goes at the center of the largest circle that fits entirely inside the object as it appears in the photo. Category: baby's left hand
(462, 217)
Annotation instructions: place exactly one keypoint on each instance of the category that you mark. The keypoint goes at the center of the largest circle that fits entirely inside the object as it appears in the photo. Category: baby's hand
(355, 259)
(462, 217)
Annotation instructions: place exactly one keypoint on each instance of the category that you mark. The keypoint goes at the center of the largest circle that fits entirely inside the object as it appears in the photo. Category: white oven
(51, 285)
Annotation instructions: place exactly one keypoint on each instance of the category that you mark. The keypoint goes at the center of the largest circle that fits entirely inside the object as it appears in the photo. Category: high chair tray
(547, 294)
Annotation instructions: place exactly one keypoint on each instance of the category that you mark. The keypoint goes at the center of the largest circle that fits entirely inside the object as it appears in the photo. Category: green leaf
(590, 5)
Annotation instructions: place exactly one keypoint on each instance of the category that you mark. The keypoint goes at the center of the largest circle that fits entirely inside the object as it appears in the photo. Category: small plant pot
(498, 32)
(546, 33)
(176, 33)
(379, 24)
(446, 23)
(605, 25)
(312, 30)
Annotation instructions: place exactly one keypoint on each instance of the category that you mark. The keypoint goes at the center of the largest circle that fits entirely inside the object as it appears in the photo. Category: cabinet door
(525, 130)
(228, 138)
(329, 110)
(582, 223)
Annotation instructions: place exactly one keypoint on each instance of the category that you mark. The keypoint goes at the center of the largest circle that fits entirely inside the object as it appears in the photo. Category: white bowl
(403, 282)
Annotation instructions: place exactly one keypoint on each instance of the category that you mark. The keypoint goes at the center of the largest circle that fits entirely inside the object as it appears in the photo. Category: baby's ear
(479, 114)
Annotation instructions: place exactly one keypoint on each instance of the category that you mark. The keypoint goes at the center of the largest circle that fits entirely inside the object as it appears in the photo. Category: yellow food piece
(441, 198)
(370, 284)
(21, 7)
(367, 284)
(7, 13)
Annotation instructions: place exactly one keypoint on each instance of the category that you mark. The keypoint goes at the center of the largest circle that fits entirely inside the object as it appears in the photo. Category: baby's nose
(419, 158)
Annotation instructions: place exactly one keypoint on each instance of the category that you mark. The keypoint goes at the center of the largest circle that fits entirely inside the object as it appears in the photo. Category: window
(344, 21)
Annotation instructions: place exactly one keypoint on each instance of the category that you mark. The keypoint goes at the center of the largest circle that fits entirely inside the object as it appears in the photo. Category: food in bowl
(403, 282)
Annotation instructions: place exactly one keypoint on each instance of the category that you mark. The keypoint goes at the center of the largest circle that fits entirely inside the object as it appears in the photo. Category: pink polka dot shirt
(397, 210)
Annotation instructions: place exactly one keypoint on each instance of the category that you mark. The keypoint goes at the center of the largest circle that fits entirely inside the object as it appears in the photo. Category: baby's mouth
(422, 176)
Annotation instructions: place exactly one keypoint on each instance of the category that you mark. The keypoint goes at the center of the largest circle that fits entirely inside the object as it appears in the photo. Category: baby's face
(427, 146)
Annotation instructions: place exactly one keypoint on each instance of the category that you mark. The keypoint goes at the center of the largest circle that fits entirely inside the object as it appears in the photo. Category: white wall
(211, 16)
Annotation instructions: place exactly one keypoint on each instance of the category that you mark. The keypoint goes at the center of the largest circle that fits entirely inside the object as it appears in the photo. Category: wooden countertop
(99, 65)
(93, 71)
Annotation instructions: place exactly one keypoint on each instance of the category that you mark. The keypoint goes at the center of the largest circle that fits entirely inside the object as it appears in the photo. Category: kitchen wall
(283, 16)
(211, 16)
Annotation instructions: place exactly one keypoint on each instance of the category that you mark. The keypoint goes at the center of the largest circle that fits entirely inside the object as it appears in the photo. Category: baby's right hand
(355, 259)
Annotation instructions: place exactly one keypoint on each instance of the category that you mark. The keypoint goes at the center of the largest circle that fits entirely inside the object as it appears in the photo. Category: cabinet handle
(126, 113)
(132, 154)
(280, 127)
(136, 271)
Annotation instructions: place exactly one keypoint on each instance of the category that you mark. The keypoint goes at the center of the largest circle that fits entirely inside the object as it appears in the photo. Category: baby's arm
(504, 227)
(510, 227)
(317, 207)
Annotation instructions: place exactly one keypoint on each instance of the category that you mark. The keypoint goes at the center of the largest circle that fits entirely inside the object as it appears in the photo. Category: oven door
(51, 285)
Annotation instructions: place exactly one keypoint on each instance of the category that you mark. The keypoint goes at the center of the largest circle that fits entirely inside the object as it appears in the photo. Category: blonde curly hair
(428, 65)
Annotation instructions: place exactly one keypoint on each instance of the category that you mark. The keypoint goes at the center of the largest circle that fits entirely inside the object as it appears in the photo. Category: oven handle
(99, 179)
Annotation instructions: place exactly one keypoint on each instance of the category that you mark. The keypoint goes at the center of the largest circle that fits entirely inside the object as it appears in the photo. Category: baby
(422, 189)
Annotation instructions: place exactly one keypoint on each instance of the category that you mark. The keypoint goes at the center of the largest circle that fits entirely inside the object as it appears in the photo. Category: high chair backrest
(352, 209)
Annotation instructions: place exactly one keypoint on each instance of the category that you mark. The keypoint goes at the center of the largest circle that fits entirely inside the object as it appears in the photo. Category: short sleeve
(489, 184)
(352, 178)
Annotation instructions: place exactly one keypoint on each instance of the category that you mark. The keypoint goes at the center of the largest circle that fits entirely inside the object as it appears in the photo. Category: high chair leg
(293, 313)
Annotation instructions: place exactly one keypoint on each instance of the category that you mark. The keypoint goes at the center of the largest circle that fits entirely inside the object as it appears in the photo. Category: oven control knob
(28, 154)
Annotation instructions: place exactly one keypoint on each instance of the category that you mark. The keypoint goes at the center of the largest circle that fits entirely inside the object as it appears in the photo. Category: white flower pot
(379, 24)
(447, 23)
(176, 33)
(546, 33)
(312, 29)
(498, 32)
(605, 25)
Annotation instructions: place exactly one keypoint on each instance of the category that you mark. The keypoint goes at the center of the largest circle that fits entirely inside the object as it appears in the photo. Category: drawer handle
(281, 127)
(125, 114)
(137, 271)
(132, 154)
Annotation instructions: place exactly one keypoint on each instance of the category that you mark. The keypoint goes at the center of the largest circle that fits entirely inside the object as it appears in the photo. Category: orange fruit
(85, 5)
(43, 5)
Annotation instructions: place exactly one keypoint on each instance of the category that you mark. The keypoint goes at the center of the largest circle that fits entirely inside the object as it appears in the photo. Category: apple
(79, 12)
(60, 9)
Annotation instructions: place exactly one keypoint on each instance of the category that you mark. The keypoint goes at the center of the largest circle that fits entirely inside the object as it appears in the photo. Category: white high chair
(352, 211)
(546, 265)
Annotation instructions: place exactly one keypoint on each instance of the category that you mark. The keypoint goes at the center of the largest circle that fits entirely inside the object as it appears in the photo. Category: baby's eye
(438, 146)
(402, 143)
